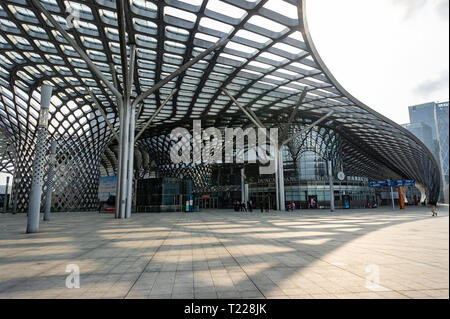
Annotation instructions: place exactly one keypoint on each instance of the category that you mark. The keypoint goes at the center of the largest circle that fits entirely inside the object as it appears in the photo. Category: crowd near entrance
(244, 190)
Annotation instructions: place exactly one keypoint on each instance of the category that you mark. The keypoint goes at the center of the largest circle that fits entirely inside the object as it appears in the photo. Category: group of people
(248, 207)
(291, 206)
(243, 207)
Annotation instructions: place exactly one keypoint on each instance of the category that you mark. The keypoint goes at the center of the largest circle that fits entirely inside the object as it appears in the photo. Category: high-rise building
(424, 113)
(422, 131)
(432, 119)
(442, 130)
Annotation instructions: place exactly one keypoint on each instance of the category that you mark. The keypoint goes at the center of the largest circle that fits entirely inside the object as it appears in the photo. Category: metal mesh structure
(269, 61)
(6, 156)
(158, 149)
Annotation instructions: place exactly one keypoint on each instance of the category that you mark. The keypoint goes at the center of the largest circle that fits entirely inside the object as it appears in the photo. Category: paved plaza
(376, 253)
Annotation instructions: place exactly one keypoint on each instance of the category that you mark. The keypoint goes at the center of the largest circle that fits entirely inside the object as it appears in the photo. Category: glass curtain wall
(307, 181)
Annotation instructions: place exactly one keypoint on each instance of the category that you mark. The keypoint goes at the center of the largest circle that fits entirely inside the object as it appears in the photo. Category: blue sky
(387, 53)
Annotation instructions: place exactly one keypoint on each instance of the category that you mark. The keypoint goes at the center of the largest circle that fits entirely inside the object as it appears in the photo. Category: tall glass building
(432, 118)
(441, 116)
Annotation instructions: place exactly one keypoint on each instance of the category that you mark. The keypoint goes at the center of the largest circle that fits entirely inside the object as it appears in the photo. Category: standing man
(433, 208)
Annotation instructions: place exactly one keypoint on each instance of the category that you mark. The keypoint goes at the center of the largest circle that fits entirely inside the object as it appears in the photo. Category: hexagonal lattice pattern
(6, 155)
(269, 61)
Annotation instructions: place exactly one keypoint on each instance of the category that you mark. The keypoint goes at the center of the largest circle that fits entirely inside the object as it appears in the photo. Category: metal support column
(392, 197)
(122, 191)
(119, 160)
(132, 126)
(242, 185)
(281, 178)
(5, 199)
(126, 108)
(277, 179)
(50, 176)
(130, 167)
(330, 176)
(34, 204)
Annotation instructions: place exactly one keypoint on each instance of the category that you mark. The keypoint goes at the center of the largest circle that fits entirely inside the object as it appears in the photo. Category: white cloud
(443, 8)
(414, 7)
(381, 58)
(433, 85)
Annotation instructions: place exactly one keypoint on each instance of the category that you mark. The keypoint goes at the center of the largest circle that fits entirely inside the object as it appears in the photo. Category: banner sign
(106, 187)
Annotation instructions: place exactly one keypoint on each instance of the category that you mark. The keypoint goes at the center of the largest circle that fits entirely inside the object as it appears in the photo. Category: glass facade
(424, 113)
(306, 181)
(430, 123)
(442, 130)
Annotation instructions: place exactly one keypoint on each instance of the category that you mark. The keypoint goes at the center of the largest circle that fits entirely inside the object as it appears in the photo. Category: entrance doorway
(208, 203)
(261, 199)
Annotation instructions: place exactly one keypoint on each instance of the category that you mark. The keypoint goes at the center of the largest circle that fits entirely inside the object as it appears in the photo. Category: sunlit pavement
(373, 253)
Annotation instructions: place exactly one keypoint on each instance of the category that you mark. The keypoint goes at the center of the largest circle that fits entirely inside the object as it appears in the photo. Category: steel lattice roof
(269, 61)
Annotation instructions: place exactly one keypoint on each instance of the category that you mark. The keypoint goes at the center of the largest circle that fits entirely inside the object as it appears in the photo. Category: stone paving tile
(183, 296)
(221, 254)
(230, 294)
(323, 296)
(205, 295)
(437, 293)
(391, 295)
(250, 294)
(301, 296)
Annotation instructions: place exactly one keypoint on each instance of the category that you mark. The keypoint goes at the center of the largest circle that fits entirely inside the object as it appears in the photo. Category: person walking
(237, 206)
(433, 208)
(243, 207)
(250, 206)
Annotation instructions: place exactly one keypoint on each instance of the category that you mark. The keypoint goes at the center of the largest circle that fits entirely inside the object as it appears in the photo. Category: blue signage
(378, 184)
(409, 182)
(393, 183)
